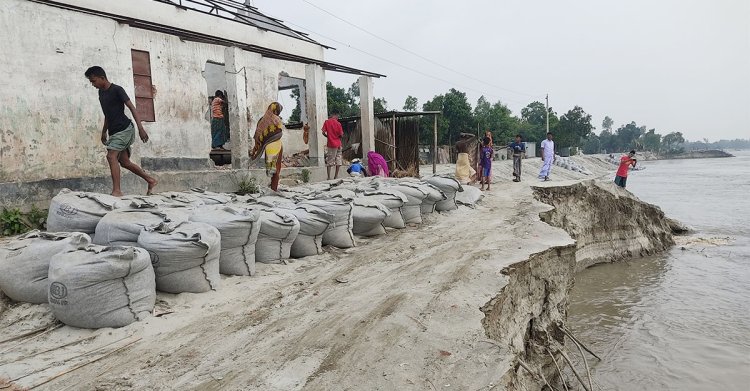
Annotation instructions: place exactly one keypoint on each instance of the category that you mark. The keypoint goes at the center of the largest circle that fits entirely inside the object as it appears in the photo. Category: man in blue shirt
(518, 148)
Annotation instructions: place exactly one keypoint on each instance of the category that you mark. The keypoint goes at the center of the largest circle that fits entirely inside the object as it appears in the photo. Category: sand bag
(340, 193)
(340, 233)
(470, 196)
(99, 286)
(239, 228)
(313, 223)
(178, 198)
(434, 195)
(122, 226)
(24, 262)
(278, 230)
(273, 200)
(368, 216)
(449, 187)
(412, 209)
(211, 198)
(185, 256)
(74, 211)
(394, 200)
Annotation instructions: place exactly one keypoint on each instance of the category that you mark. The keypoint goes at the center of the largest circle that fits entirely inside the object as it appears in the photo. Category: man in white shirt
(548, 156)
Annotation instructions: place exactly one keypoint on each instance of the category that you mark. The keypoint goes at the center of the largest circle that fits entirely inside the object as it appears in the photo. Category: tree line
(571, 129)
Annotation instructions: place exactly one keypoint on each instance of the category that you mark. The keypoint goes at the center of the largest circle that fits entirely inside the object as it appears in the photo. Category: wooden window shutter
(144, 92)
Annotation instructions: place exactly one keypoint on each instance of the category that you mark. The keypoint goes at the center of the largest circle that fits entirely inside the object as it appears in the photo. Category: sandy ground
(400, 311)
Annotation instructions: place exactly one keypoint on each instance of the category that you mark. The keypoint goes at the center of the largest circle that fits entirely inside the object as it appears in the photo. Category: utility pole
(546, 98)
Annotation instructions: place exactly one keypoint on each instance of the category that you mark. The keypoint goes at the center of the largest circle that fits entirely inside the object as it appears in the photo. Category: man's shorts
(122, 140)
(333, 156)
(486, 171)
(620, 180)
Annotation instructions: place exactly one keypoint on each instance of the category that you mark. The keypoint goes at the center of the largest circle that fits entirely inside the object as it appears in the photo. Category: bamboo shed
(396, 138)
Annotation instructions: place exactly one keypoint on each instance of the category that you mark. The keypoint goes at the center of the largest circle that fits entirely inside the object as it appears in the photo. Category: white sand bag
(340, 193)
(394, 200)
(470, 196)
(340, 233)
(273, 200)
(24, 262)
(368, 216)
(185, 256)
(412, 209)
(278, 230)
(239, 228)
(434, 195)
(313, 222)
(449, 186)
(74, 211)
(99, 286)
(122, 226)
(211, 198)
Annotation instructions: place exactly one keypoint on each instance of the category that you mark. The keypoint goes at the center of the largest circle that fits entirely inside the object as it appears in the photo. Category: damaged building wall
(51, 118)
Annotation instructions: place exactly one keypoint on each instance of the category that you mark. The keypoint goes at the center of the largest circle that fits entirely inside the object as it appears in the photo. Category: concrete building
(170, 56)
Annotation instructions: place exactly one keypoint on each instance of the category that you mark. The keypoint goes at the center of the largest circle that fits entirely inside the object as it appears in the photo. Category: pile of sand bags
(24, 262)
(95, 286)
(394, 200)
(77, 211)
(340, 233)
(278, 230)
(449, 186)
(368, 216)
(121, 227)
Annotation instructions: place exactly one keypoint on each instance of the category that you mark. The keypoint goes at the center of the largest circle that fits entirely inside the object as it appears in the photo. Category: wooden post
(434, 146)
(393, 136)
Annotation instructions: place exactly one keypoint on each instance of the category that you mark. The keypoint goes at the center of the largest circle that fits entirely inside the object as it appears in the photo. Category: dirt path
(404, 316)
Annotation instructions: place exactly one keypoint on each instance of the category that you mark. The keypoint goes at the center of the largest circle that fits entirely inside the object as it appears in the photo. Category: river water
(681, 320)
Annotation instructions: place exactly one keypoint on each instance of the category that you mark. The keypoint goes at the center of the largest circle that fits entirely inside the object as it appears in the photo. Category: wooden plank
(141, 62)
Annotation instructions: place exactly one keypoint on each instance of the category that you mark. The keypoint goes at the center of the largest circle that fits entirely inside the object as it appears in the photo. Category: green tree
(627, 137)
(574, 126)
(457, 117)
(341, 101)
(534, 119)
(379, 105)
(297, 111)
(651, 141)
(411, 103)
(497, 118)
(607, 124)
(672, 142)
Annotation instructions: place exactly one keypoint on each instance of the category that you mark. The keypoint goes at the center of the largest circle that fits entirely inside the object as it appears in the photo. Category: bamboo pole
(434, 145)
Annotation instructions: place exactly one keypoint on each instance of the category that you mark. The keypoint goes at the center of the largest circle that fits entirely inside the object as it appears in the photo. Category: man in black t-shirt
(120, 129)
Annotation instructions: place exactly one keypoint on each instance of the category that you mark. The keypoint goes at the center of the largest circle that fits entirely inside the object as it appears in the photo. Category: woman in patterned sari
(268, 139)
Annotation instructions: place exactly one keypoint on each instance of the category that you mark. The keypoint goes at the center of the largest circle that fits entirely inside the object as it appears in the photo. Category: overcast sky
(674, 65)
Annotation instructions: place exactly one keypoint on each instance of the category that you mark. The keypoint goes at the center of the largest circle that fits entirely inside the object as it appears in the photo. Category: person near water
(356, 169)
(377, 164)
(268, 140)
(333, 131)
(485, 161)
(219, 133)
(548, 156)
(118, 132)
(626, 161)
(518, 148)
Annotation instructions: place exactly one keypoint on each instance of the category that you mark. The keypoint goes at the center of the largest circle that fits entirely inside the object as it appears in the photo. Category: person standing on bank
(219, 134)
(626, 161)
(118, 132)
(333, 131)
(268, 140)
(548, 156)
(518, 148)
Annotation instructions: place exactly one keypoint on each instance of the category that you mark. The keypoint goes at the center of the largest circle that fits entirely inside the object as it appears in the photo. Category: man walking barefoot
(120, 129)
(518, 148)
(333, 131)
(548, 156)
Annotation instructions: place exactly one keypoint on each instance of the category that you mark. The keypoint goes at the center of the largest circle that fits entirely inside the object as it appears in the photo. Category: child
(113, 100)
(518, 148)
(486, 163)
(356, 169)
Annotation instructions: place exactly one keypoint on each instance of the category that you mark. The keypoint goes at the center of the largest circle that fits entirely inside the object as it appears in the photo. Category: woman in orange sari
(268, 140)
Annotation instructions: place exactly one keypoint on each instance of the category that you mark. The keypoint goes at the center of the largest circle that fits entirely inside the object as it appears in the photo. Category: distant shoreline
(702, 154)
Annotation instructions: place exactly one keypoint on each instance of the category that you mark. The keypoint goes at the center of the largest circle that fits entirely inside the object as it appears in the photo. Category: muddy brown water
(679, 321)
